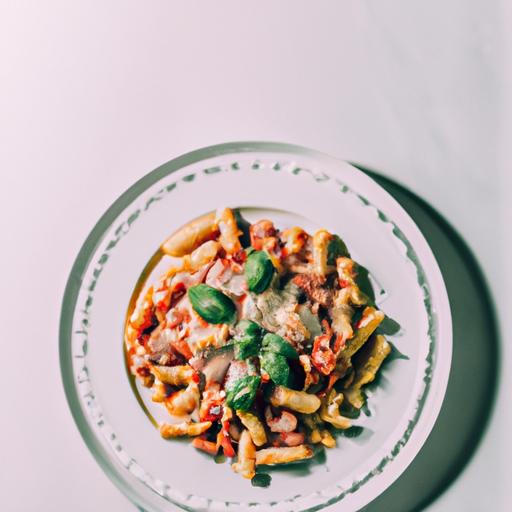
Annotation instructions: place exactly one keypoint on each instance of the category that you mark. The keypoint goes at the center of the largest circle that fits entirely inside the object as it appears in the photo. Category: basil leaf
(211, 304)
(274, 343)
(246, 346)
(250, 328)
(243, 392)
(258, 271)
(276, 366)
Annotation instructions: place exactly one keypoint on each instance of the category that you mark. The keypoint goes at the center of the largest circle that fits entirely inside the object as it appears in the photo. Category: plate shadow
(474, 374)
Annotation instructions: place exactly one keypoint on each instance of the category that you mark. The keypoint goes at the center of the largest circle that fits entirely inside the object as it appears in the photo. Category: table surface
(95, 94)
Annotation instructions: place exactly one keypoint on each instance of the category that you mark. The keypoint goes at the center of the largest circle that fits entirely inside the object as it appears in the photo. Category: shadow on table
(475, 364)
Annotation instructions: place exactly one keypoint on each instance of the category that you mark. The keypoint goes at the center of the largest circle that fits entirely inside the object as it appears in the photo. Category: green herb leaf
(274, 343)
(258, 271)
(243, 392)
(276, 366)
(250, 328)
(211, 304)
(246, 346)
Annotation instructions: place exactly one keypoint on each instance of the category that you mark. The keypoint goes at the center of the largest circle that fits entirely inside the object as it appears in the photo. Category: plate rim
(96, 236)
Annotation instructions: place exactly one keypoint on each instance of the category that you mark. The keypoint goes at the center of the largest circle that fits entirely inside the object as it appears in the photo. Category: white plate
(290, 185)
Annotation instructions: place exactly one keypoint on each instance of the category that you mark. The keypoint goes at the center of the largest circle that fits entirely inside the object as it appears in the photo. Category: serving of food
(254, 338)
(268, 335)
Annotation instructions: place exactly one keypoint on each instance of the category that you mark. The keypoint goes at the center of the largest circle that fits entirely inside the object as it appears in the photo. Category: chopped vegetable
(174, 375)
(204, 445)
(322, 356)
(310, 320)
(248, 342)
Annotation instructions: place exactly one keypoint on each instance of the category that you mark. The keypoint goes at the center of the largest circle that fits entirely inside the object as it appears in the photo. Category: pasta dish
(257, 341)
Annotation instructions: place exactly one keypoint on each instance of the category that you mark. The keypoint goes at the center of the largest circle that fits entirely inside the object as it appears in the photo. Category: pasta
(191, 236)
(246, 456)
(253, 424)
(255, 350)
(285, 455)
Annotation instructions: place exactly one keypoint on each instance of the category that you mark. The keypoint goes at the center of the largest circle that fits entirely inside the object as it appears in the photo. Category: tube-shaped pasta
(130, 334)
(317, 433)
(174, 375)
(159, 392)
(299, 401)
(350, 292)
(245, 464)
(191, 236)
(283, 455)
(294, 239)
(321, 241)
(329, 411)
(185, 428)
(326, 438)
(200, 256)
(366, 365)
(309, 422)
(229, 231)
(183, 401)
(141, 316)
(255, 427)
(205, 253)
(369, 322)
(354, 397)
(341, 315)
